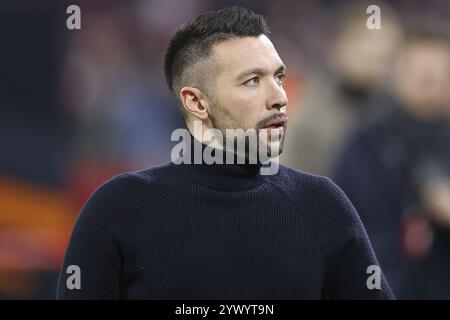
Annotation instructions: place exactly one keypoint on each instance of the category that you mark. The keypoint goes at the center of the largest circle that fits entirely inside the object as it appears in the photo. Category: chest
(237, 250)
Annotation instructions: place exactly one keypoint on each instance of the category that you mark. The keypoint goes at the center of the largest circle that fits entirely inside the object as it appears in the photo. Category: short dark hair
(193, 41)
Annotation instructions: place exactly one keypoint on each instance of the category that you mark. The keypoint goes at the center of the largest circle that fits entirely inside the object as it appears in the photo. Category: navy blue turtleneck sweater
(221, 231)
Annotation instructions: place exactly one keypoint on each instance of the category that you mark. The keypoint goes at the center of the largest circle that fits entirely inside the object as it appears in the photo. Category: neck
(222, 174)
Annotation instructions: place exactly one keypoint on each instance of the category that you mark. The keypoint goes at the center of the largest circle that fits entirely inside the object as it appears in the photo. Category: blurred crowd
(368, 108)
(376, 119)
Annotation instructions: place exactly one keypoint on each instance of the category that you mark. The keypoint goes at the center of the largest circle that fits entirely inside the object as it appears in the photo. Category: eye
(252, 82)
(280, 78)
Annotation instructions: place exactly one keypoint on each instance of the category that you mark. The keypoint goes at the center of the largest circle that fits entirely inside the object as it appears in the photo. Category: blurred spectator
(338, 97)
(396, 171)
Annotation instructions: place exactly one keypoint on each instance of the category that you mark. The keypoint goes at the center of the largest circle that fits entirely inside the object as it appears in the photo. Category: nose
(277, 97)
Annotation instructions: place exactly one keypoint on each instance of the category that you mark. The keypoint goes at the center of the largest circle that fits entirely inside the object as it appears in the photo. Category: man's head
(421, 77)
(226, 72)
(362, 57)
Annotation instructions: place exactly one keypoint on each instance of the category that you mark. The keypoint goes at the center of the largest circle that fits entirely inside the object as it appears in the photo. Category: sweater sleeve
(354, 271)
(93, 260)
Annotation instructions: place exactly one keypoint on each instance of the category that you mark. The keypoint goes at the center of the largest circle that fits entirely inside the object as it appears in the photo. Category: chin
(277, 147)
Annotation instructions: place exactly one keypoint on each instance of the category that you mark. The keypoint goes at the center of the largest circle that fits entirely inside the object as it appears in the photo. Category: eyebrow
(259, 72)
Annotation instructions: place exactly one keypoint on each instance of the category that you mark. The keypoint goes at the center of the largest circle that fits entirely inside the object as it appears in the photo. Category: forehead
(238, 54)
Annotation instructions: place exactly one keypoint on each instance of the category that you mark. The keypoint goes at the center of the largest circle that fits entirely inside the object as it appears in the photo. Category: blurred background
(368, 108)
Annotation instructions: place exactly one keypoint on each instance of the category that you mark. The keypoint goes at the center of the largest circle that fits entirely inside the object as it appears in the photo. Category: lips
(276, 123)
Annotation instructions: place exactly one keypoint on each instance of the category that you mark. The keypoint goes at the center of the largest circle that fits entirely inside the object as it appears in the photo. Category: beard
(264, 139)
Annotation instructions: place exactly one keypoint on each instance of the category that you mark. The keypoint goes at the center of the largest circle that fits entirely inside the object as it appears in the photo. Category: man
(396, 170)
(343, 91)
(222, 231)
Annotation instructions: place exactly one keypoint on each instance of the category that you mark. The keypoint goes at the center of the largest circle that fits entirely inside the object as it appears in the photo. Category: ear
(194, 102)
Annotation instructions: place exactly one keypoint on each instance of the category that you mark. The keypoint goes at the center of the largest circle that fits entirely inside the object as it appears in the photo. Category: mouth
(276, 124)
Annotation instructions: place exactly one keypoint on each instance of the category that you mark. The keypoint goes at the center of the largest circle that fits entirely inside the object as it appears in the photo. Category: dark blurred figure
(340, 94)
(396, 171)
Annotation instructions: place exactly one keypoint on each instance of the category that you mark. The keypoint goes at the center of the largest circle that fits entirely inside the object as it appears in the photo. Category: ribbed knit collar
(226, 177)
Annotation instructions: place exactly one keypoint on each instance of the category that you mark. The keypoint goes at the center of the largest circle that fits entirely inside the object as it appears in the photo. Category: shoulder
(310, 184)
(128, 193)
(322, 198)
(126, 184)
(327, 210)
